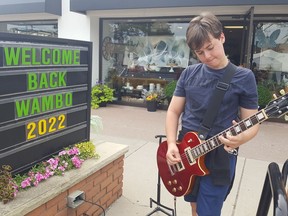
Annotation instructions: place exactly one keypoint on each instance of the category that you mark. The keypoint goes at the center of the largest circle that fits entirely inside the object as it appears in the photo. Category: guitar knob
(174, 190)
(180, 188)
(169, 183)
(175, 181)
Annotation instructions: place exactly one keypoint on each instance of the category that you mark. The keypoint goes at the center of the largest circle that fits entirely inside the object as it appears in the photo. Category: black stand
(160, 207)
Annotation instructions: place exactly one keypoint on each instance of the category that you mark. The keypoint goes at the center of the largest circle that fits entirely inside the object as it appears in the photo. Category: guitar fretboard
(234, 130)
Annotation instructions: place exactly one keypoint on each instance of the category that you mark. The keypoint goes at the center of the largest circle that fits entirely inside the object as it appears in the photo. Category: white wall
(95, 37)
(73, 25)
(77, 26)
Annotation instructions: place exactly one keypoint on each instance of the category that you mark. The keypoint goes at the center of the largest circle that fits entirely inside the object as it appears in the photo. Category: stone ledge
(26, 201)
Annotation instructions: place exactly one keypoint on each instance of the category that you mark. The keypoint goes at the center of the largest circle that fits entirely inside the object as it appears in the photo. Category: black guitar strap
(214, 105)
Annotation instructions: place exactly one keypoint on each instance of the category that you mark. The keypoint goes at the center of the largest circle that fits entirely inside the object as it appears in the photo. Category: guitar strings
(253, 119)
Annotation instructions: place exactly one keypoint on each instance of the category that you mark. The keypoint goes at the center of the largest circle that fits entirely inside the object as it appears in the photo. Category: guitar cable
(103, 210)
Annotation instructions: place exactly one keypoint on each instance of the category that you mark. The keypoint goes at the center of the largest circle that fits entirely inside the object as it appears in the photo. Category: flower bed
(69, 158)
(101, 180)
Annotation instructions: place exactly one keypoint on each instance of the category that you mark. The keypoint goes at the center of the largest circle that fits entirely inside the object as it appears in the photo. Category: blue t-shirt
(197, 84)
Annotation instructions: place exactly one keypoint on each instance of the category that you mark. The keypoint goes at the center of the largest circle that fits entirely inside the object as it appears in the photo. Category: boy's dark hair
(199, 29)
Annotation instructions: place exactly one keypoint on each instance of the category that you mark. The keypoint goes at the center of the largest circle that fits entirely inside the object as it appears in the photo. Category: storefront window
(146, 53)
(143, 55)
(270, 55)
(139, 46)
(39, 28)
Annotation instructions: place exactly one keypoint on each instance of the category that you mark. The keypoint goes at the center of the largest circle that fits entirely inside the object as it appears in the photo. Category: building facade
(138, 43)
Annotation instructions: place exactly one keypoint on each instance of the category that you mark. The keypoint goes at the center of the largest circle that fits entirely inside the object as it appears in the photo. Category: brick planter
(101, 180)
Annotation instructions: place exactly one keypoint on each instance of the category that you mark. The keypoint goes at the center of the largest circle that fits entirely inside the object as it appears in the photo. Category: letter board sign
(45, 95)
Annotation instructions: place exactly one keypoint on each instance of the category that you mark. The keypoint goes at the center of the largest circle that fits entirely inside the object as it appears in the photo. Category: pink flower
(39, 177)
(26, 183)
(66, 160)
(53, 163)
(62, 153)
(61, 168)
(76, 162)
(73, 151)
(48, 173)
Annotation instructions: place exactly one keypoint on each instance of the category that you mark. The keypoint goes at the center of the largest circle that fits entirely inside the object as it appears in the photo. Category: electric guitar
(179, 178)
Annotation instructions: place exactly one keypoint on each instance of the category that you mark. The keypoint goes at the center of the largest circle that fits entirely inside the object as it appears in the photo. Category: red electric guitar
(179, 178)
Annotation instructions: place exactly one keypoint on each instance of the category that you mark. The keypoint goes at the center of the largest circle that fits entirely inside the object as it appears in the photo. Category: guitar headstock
(278, 107)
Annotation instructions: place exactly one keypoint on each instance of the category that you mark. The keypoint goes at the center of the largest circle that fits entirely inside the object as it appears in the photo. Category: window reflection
(143, 55)
(270, 55)
(39, 28)
(144, 46)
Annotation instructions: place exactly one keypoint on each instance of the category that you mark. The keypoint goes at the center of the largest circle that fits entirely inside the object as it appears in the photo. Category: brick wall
(102, 187)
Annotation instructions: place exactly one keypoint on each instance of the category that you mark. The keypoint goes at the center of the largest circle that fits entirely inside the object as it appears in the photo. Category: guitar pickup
(176, 168)
(189, 156)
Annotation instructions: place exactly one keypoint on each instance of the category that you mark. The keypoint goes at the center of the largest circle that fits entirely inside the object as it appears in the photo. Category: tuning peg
(274, 96)
(286, 117)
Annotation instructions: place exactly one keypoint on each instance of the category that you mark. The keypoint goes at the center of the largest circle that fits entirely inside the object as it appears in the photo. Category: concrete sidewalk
(137, 128)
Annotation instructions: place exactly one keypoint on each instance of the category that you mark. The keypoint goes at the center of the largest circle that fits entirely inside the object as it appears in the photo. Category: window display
(144, 45)
(271, 53)
(143, 53)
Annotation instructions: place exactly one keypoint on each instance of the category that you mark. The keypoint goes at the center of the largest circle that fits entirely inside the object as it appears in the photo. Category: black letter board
(45, 90)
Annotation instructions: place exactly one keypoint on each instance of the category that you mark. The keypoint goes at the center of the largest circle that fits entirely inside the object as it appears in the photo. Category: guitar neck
(234, 130)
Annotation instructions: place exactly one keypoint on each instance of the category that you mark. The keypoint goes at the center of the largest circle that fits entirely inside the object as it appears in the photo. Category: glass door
(246, 48)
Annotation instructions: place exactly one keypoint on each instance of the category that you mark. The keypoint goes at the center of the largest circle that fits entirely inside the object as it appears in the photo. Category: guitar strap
(214, 105)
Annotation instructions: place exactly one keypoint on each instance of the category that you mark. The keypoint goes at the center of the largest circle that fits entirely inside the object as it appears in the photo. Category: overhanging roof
(8, 7)
(82, 6)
